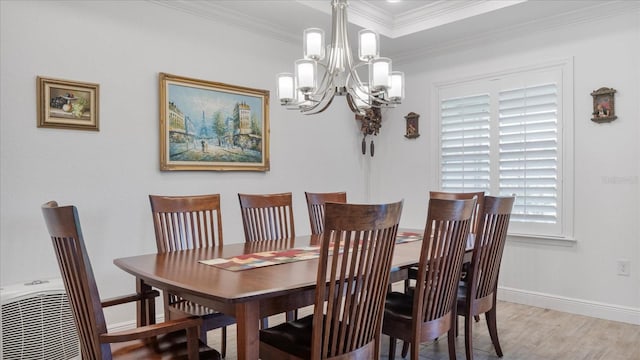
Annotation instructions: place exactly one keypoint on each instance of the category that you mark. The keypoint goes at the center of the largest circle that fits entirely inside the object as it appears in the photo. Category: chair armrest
(130, 298)
(148, 331)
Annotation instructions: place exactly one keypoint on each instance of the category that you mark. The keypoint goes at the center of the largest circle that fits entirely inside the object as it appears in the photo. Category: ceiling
(407, 27)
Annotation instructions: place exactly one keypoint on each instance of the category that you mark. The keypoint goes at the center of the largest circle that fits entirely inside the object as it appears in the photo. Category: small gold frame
(604, 109)
(67, 104)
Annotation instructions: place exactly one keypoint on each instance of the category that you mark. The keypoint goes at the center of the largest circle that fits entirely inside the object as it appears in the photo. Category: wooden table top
(181, 271)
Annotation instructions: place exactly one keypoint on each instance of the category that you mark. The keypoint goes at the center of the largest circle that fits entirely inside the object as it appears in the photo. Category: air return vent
(37, 322)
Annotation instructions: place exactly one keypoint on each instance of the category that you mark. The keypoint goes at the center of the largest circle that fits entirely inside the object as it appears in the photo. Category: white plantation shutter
(510, 134)
(528, 127)
(465, 143)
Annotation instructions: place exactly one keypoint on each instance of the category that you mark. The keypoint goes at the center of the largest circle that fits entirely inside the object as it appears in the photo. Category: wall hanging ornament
(604, 109)
(412, 125)
(371, 122)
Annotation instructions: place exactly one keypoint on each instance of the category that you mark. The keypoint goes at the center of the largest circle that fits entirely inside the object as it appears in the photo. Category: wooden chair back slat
(68, 244)
(489, 246)
(186, 222)
(446, 232)
(350, 307)
(479, 196)
(267, 217)
(315, 205)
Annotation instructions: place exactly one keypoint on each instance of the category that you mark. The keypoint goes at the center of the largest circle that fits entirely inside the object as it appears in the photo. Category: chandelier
(311, 94)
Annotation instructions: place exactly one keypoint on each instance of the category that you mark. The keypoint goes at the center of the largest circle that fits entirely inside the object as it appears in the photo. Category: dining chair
(475, 219)
(479, 196)
(190, 222)
(267, 216)
(315, 205)
(175, 339)
(353, 273)
(477, 295)
(429, 311)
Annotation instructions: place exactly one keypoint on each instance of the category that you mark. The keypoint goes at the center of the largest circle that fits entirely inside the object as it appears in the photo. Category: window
(511, 133)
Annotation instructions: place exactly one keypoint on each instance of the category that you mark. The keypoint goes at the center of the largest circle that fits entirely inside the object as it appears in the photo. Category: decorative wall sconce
(412, 125)
(371, 122)
(604, 109)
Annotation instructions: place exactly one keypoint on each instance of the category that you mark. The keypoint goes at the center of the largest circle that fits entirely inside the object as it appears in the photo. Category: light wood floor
(525, 332)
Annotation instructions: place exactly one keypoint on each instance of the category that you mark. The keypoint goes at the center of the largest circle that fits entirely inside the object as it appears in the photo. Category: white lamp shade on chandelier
(368, 48)
(321, 74)
(314, 44)
(306, 75)
(286, 87)
(396, 91)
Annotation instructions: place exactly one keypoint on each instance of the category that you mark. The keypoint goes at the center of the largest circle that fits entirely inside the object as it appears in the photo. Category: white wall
(579, 276)
(108, 174)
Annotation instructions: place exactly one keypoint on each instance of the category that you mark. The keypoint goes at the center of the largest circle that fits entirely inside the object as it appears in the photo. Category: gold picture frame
(206, 125)
(67, 104)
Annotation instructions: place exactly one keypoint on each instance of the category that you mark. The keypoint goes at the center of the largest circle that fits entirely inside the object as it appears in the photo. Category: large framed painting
(67, 104)
(206, 125)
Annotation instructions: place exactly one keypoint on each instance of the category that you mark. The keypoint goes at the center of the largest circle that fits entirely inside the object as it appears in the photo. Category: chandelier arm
(326, 98)
(324, 85)
(352, 105)
(312, 112)
(355, 95)
(353, 74)
(374, 101)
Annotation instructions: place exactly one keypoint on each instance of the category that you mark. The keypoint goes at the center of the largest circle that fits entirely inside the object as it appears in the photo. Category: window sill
(543, 239)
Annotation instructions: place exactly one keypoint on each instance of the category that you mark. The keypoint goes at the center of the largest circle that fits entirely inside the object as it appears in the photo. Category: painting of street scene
(214, 127)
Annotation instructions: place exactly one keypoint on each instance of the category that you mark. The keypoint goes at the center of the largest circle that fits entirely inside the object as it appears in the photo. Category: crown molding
(596, 14)
(440, 13)
(367, 14)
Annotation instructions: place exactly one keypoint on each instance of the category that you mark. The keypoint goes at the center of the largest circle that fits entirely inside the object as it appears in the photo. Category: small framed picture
(604, 109)
(412, 125)
(67, 104)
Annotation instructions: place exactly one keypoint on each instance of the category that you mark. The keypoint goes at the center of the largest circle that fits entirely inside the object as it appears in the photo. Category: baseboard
(573, 306)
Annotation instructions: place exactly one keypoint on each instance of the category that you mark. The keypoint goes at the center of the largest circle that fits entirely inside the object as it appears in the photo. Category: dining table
(248, 295)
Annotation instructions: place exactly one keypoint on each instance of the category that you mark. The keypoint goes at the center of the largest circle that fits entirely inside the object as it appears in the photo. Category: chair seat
(293, 337)
(399, 306)
(170, 346)
(194, 309)
(462, 292)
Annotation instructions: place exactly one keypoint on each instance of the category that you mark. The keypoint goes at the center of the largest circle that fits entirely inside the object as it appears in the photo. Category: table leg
(247, 319)
(145, 309)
